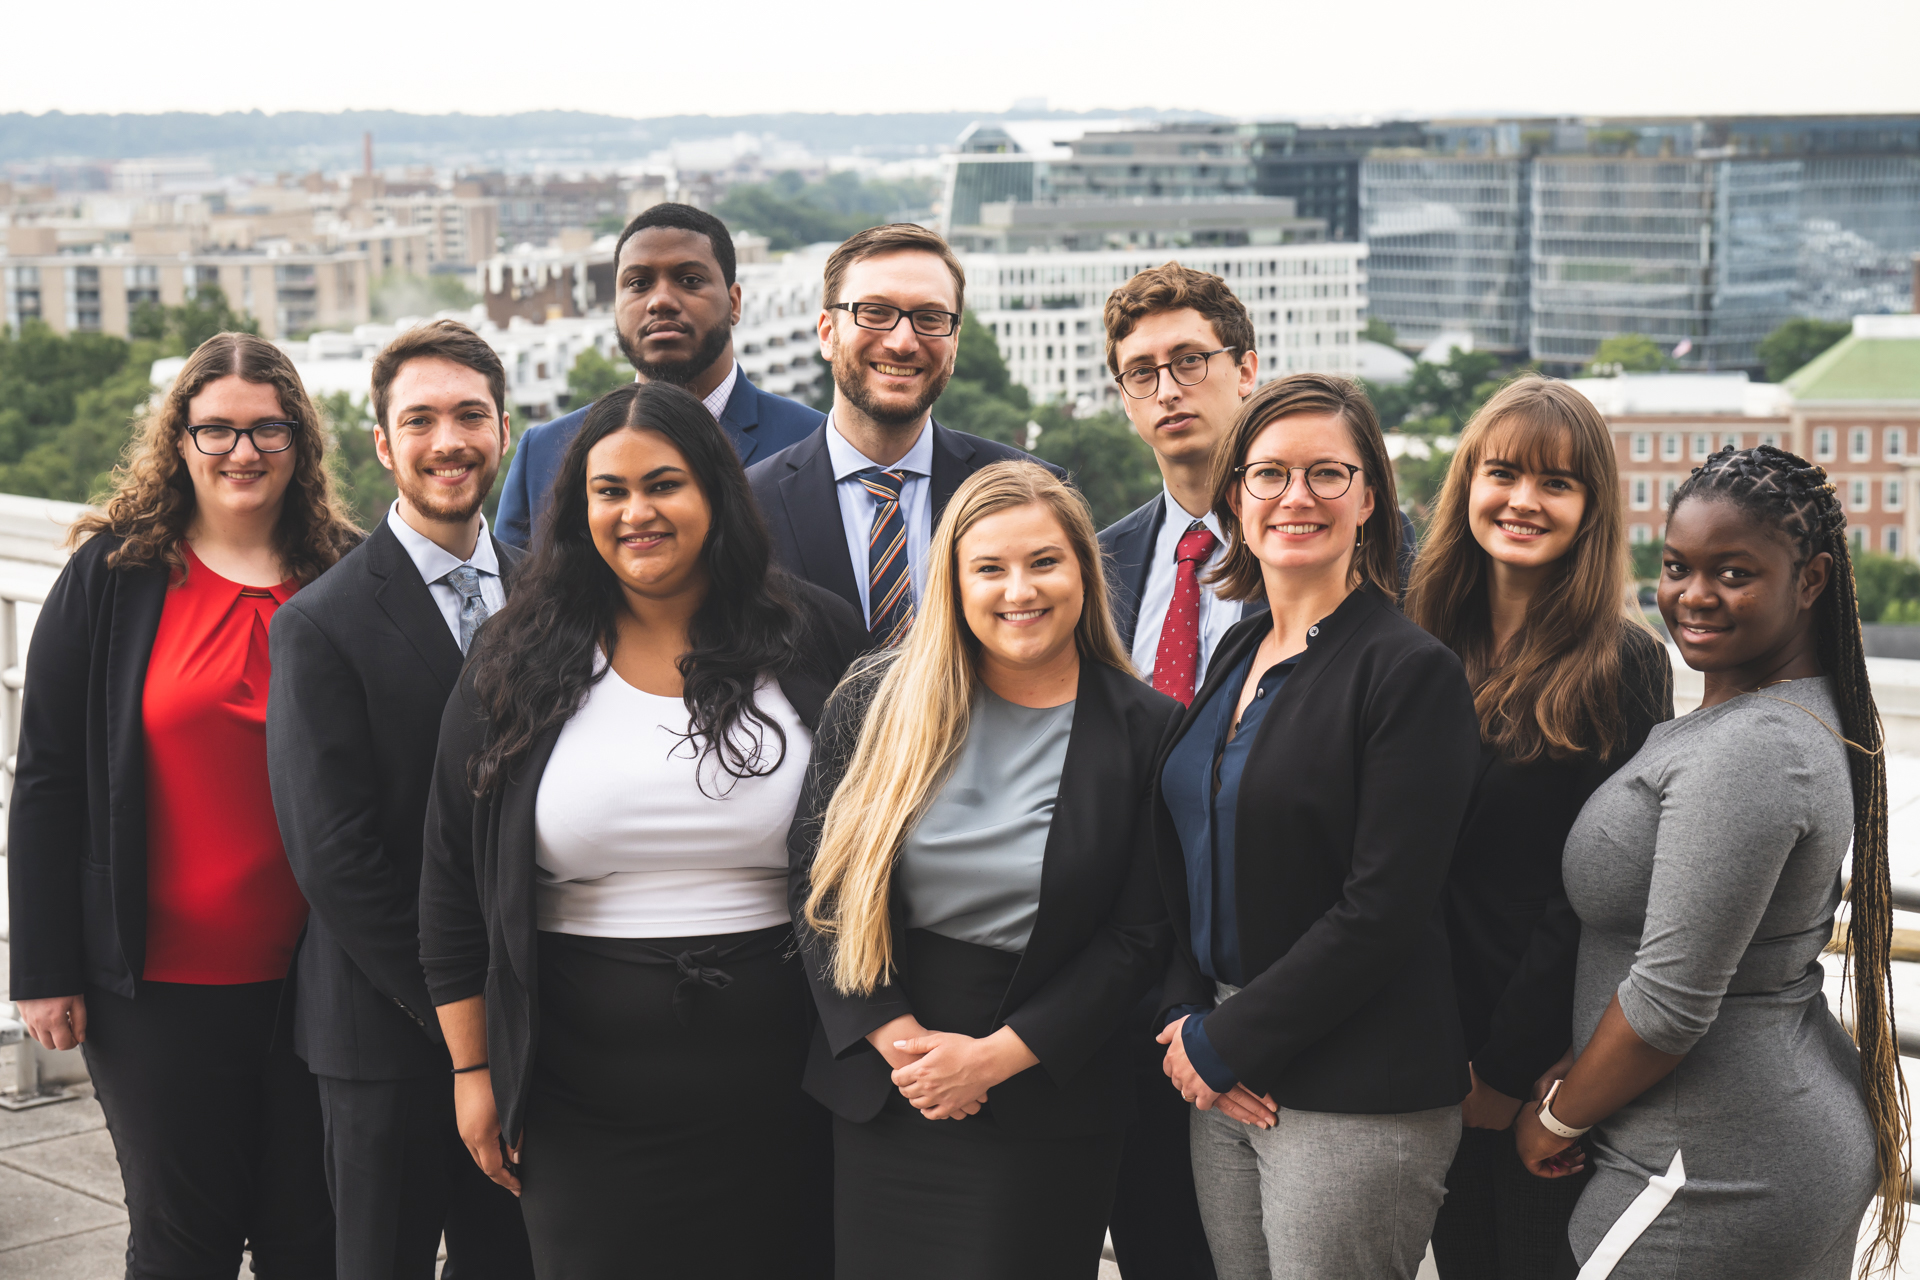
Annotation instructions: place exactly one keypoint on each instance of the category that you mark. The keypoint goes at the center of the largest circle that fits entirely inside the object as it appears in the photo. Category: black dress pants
(217, 1130)
(1155, 1223)
(1499, 1222)
(399, 1176)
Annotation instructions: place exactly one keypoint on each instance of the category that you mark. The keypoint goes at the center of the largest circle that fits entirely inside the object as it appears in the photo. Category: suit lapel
(510, 559)
(952, 463)
(406, 601)
(811, 507)
(740, 419)
(140, 595)
(1133, 559)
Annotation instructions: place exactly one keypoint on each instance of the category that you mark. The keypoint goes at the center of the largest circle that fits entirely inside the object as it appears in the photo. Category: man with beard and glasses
(361, 673)
(675, 305)
(852, 507)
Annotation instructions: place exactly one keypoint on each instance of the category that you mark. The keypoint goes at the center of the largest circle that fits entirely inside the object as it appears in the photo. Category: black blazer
(796, 493)
(1099, 942)
(77, 822)
(363, 662)
(1515, 937)
(1128, 547)
(1356, 782)
(477, 923)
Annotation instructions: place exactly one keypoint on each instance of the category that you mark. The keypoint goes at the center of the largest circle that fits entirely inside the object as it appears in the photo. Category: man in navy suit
(852, 507)
(675, 306)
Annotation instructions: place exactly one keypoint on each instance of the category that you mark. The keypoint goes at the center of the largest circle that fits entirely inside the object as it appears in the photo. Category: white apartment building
(1308, 304)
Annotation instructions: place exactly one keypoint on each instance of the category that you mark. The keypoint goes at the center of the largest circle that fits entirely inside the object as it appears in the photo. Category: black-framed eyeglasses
(266, 437)
(1326, 479)
(1188, 370)
(885, 318)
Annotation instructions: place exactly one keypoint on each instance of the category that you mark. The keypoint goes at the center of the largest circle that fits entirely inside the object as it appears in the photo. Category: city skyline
(1642, 57)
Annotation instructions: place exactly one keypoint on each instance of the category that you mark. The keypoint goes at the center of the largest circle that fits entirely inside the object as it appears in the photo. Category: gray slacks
(1322, 1196)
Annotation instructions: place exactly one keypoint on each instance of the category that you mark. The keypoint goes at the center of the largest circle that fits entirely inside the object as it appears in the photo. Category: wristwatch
(1547, 1120)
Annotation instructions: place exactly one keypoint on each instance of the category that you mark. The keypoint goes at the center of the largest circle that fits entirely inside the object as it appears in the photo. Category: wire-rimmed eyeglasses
(266, 437)
(1188, 370)
(883, 317)
(1326, 479)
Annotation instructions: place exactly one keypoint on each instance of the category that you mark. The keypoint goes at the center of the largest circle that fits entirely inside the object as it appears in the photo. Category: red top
(222, 905)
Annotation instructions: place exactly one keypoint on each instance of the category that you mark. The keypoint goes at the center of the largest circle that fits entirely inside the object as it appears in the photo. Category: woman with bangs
(1524, 574)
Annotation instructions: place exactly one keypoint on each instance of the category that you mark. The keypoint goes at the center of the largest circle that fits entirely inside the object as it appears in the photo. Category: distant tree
(67, 407)
(398, 293)
(1884, 583)
(592, 376)
(978, 360)
(1646, 560)
(1631, 353)
(1379, 331)
(1437, 399)
(982, 398)
(610, 225)
(792, 212)
(179, 330)
(1109, 464)
(1794, 344)
(367, 486)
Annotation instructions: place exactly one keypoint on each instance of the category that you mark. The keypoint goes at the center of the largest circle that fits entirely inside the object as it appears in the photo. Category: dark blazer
(758, 423)
(1099, 942)
(796, 493)
(477, 925)
(1367, 759)
(77, 822)
(1515, 937)
(1128, 546)
(363, 662)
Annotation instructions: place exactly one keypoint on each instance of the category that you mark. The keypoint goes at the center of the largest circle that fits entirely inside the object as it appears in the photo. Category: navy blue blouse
(1201, 783)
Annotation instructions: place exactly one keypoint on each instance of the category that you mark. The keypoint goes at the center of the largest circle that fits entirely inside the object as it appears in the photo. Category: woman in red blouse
(154, 914)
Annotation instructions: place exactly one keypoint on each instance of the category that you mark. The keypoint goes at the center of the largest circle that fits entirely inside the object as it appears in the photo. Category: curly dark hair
(1786, 492)
(536, 660)
(150, 502)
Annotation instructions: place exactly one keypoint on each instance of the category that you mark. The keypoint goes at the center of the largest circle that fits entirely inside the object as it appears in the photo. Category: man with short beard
(675, 305)
(852, 507)
(361, 673)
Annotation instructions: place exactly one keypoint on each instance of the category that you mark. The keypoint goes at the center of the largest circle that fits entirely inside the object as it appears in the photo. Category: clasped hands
(1239, 1102)
(944, 1074)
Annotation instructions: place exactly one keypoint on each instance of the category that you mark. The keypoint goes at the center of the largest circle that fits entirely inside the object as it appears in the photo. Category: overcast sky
(1237, 57)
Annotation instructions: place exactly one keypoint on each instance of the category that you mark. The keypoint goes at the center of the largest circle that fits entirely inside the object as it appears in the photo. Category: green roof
(1857, 368)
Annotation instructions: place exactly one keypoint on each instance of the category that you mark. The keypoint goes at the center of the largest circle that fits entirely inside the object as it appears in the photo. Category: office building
(1308, 304)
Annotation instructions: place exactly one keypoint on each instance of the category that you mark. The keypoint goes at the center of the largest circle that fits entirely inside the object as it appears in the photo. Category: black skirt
(667, 1135)
(964, 1199)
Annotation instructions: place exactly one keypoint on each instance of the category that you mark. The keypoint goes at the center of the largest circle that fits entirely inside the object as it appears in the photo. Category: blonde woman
(974, 892)
(1524, 576)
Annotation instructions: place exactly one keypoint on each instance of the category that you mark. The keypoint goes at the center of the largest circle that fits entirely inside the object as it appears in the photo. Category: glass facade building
(1447, 240)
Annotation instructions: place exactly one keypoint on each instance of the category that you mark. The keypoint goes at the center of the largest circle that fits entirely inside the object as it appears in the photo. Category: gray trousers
(1322, 1196)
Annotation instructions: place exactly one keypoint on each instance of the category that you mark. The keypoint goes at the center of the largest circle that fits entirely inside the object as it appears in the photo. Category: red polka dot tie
(1176, 663)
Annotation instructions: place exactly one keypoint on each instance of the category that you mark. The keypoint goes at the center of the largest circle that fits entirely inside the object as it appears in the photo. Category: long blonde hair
(918, 721)
(1557, 693)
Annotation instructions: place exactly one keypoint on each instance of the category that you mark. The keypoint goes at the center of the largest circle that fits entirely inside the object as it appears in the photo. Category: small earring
(1361, 541)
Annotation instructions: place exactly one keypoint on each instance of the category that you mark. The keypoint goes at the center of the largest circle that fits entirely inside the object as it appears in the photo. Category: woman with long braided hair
(1736, 1130)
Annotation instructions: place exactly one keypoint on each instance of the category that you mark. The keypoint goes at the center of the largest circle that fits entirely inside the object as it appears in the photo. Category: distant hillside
(254, 137)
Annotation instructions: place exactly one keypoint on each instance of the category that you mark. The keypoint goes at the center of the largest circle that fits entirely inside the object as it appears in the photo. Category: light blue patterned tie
(473, 609)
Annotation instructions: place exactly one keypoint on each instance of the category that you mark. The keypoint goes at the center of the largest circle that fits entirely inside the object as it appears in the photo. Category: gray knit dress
(1706, 873)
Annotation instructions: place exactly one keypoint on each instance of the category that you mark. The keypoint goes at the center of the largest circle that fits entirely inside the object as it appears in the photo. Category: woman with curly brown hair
(154, 914)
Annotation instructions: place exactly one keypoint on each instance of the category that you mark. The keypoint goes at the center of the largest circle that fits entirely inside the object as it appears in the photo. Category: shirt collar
(1176, 520)
(717, 402)
(433, 560)
(848, 461)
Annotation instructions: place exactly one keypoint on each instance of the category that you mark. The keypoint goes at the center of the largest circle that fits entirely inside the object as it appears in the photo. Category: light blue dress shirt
(857, 505)
(435, 562)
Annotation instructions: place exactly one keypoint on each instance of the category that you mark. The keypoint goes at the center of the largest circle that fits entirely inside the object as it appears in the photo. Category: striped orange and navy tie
(889, 581)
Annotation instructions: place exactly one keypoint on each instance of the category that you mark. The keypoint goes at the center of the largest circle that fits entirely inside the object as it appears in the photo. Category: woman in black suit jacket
(603, 918)
(974, 893)
(154, 914)
(1304, 815)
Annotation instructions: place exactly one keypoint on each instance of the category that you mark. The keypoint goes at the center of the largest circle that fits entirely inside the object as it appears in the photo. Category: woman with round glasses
(1304, 815)
(154, 914)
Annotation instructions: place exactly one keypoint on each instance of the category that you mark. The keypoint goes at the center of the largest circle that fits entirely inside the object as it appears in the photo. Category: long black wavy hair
(535, 661)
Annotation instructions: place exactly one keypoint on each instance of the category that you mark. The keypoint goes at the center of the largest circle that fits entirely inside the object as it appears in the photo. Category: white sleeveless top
(628, 844)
